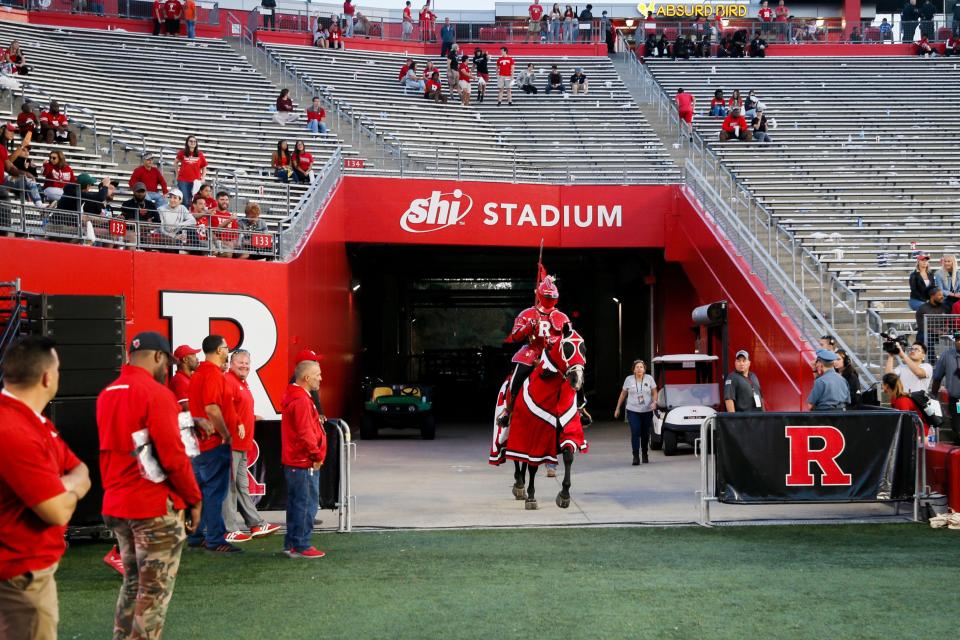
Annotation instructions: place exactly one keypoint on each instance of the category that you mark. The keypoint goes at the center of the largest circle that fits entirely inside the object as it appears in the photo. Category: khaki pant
(28, 606)
(150, 550)
(239, 511)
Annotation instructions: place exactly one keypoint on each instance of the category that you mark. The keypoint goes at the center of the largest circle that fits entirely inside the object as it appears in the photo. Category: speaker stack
(90, 332)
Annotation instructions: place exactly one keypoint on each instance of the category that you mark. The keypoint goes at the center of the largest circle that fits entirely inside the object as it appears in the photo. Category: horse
(545, 418)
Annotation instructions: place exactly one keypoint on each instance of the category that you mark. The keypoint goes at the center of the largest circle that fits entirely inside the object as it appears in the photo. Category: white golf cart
(688, 394)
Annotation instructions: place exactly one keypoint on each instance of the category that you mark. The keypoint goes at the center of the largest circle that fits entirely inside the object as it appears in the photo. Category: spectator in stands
(920, 279)
(225, 223)
(701, 47)
(336, 35)
(569, 23)
(412, 80)
(27, 120)
(554, 80)
(175, 219)
(783, 17)
(201, 213)
(156, 13)
(735, 99)
(428, 70)
(952, 47)
(527, 79)
(190, 16)
(735, 127)
(316, 117)
(434, 89)
(579, 82)
(663, 47)
(686, 106)
(153, 178)
(765, 14)
(845, 368)
(535, 13)
(650, 45)
(914, 373)
(725, 47)
(321, 37)
(448, 35)
(139, 208)
(925, 49)
(586, 18)
(481, 63)
(718, 106)
(463, 84)
(948, 280)
(349, 12)
(855, 35)
(739, 44)
(172, 12)
(281, 163)
(758, 46)
(54, 127)
(286, 111)
(407, 22)
(81, 196)
(269, 10)
(606, 29)
(453, 69)
(680, 48)
(56, 173)
(302, 162)
(758, 125)
(932, 307)
(892, 387)
(650, 26)
(13, 60)
(206, 194)
(555, 23)
(428, 21)
(403, 70)
(750, 104)
(827, 342)
(886, 30)
(909, 17)
(28, 175)
(927, 12)
(190, 167)
(504, 76)
(250, 225)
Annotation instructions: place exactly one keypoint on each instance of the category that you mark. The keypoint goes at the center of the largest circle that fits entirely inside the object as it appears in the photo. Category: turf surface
(843, 582)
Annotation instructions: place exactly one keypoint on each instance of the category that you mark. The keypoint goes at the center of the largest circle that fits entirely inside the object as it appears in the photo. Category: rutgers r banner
(853, 456)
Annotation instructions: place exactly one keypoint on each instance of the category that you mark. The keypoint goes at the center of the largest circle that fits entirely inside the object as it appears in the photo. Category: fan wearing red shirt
(766, 13)
(157, 14)
(239, 511)
(191, 167)
(900, 400)
(783, 13)
(54, 126)
(41, 481)
(427, 22)
(407, 21)
(686, 104)
(27, 120)
(303, 447)
(336, 36)
(152, 178)
(504, 76)
(734, 127)
(56, 174)
(172, 11)
(222, 218)
(145, 495)
(186, 359)
(535, 11)
(463, 84)
(210, 408)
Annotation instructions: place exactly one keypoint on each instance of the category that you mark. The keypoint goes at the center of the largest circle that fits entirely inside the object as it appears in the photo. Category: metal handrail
(345, 497)
(294, 229)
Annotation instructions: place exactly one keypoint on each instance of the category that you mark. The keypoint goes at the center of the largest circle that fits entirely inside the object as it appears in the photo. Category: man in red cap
(41, 481)
(303, 449)
(186, 357)
(147, 484)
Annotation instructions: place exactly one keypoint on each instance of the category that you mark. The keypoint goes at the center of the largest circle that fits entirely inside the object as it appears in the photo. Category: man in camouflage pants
(147, 484)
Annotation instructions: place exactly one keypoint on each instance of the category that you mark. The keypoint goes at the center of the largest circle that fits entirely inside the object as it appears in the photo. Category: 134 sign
(353, 163)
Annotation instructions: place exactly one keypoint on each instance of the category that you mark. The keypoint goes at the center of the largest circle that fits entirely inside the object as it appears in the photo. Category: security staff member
(145, 495)
(741, 389)
(830, 391)
(948, 371)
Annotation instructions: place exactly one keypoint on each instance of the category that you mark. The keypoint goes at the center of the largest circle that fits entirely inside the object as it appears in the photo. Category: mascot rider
(533, 327)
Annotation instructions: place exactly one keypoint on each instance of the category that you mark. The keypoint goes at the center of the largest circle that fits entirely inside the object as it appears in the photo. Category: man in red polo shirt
(686, 105)
(147, 485)
(239, 511)
(172, 10)
(504, 76)
(535, 11)
(210, 408)
(41, 481)
(186, 357)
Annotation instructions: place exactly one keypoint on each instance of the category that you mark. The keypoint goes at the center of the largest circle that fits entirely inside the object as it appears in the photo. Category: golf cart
(396, 406)
(688, 394)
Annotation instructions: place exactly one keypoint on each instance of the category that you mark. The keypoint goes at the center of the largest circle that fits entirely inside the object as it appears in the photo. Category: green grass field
(842, 582)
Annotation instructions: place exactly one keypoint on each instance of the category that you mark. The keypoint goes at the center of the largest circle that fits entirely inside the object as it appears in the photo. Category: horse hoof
(562, 502)
(520, 493)
(551, 473)
(530, 505)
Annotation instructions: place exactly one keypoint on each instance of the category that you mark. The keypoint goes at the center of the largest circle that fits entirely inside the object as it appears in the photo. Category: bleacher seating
(600, 137)
(862, 167)
(158, 91)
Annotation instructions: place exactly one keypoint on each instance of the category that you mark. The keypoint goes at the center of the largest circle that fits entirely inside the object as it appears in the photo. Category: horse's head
(568, 354)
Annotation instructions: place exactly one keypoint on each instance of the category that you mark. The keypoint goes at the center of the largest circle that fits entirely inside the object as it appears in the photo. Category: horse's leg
(519, 470)
(531, 500)
(563, 498)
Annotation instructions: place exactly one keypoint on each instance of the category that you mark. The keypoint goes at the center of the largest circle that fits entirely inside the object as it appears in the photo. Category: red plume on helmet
(547, 293)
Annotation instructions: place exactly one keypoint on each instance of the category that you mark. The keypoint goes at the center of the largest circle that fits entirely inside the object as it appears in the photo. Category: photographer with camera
(948, 371)
(933, 306)
(913, 372)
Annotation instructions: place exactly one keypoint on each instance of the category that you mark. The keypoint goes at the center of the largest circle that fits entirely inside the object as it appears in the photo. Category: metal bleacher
(599, 137)
(863, 165)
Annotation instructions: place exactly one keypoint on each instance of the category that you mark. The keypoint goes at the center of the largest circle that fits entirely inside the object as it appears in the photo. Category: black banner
(852, 456)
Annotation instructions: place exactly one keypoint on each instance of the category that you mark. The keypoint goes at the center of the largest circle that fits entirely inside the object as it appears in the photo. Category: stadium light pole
(619, 333)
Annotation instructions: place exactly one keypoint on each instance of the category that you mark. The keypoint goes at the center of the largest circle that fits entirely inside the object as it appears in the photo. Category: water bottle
(932, 437)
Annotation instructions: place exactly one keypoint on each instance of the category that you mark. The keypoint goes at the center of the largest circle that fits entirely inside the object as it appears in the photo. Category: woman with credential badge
(640, 392)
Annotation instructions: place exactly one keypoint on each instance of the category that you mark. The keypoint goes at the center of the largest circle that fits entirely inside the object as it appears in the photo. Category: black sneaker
(225, 548)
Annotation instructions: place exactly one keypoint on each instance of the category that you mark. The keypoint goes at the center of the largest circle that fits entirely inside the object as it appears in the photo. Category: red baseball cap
(12, 126)
(307, 354)
(183, 351)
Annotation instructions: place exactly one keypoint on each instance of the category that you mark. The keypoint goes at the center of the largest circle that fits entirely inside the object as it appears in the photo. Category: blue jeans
(555, 31)
(191, 29)
(316, 126)
(640, 425)
(187, 189)
(303, 501)
(915, 304)
(157, 198)
(212, 469)
(718, 112)
(30, 189)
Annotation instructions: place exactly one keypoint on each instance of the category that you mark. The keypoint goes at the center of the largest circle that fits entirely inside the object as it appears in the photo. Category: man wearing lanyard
(830, 391)
(948, 370)
(41, 481)
(147, 484)
(741, 389)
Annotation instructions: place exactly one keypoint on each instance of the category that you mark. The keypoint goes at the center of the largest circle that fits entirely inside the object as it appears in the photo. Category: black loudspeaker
(86, 356)
(57, 307)
(98, 332)
(76, 420)
(85, 382)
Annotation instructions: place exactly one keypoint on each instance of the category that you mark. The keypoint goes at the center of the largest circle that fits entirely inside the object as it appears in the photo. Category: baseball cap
(922, 256)
(86, 180)
(826, 355)
(175, 192)
(147, 156)
(183, 351)
(11, 126)
(139, 187)
(742, 354)
(149, 341)
(956, 335)
(307, 354)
